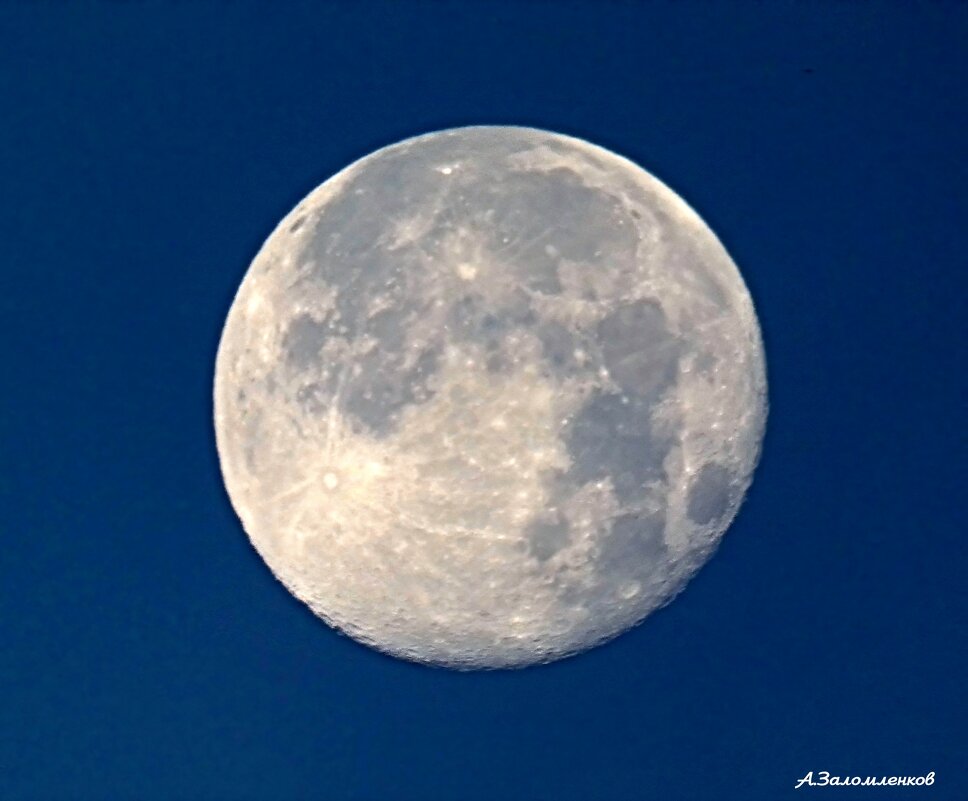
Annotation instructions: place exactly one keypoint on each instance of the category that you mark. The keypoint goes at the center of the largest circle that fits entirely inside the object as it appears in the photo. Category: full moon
(488, 397)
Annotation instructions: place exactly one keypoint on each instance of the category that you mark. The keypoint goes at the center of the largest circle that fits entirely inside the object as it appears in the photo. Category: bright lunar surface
(488, 397)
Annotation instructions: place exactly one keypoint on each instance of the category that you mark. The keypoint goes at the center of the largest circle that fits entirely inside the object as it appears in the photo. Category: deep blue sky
(147, 149)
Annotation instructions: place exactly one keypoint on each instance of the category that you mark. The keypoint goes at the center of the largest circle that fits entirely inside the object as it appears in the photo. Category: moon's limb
(489, 397)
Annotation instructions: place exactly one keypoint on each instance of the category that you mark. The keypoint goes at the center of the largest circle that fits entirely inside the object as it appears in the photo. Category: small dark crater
(490, 323)
(297, 224)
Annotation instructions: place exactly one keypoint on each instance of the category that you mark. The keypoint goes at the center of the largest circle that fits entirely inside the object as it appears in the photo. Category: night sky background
(147, 150)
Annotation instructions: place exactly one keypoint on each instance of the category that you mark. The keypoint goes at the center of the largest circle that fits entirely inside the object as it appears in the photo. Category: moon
(488, 397)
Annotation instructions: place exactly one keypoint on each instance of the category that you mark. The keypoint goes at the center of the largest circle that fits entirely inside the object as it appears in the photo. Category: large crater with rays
(489, 397)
